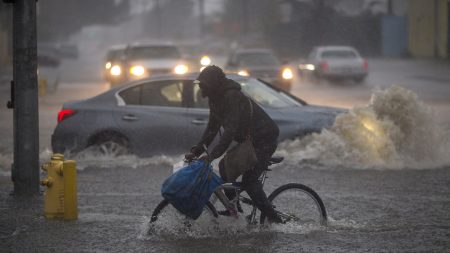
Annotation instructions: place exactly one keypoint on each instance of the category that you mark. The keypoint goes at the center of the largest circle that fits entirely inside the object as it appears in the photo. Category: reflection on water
(394, 130)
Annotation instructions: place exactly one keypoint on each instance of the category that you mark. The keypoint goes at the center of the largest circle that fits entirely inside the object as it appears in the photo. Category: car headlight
(287, 74)
(108, 65)
(243, 72)
(137, 70)
(116, 70)
(205, 60)
(310, 67)
(181, 69)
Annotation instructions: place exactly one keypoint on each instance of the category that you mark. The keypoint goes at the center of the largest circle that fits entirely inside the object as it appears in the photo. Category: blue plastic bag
(190, 188)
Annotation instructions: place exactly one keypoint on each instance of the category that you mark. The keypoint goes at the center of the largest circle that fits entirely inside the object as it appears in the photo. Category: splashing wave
(395, 130)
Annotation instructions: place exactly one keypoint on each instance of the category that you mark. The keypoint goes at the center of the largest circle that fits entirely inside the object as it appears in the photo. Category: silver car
(337, 62)
(260, 63)
(167, 115)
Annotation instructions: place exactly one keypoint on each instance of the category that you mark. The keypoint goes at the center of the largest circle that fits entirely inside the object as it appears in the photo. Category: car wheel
(110, 145)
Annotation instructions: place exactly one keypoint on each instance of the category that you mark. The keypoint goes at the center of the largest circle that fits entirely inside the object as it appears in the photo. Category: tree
(58, 19)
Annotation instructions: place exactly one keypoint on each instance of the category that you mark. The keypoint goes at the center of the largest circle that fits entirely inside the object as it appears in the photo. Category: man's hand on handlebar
(205, 158)
(189, 156)
(195, 153)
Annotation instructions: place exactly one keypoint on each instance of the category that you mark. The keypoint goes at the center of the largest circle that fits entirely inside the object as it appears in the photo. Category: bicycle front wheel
(165, 209)
(297, 203)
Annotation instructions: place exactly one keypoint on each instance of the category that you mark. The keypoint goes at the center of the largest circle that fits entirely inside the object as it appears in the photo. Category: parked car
(336, 63)
(114, 57)
(143, 60)
(260, 63)
(167, 115)
(195, 54)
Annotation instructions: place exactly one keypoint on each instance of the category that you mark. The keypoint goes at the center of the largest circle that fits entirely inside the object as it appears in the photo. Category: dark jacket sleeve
(230, 126)
(208, 135)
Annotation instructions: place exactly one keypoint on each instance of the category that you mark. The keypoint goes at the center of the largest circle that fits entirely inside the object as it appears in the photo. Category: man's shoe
(228, 213)
(231, 213)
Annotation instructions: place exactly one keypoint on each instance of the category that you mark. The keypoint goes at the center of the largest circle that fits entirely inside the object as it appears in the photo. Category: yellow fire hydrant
(60, 200)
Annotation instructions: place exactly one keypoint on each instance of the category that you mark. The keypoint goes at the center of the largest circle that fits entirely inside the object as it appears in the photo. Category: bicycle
(311, 209)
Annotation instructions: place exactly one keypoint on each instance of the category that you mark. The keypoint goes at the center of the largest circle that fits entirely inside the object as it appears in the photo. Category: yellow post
(42, 87)
(70, 190)
(54, 195)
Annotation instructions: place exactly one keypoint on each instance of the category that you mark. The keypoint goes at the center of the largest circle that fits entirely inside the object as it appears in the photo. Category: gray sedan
(337, 63)
(167, 115)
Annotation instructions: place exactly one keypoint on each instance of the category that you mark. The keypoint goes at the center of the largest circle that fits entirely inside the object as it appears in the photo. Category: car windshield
(257, 59)
(154, 52)
(114, 54)
(265, 95)
(338, 54)
(191, 50)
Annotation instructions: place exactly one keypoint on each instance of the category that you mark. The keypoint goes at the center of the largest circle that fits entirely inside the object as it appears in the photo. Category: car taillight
(64, 114)
(324, 66)
(365, 64)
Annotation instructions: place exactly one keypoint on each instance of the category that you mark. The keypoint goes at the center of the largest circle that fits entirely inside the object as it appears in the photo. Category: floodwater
(382, 171)
(369, 210)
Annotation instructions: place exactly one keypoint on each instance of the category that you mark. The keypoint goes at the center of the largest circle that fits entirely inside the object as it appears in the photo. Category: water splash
(85, 160)
(395, 130)
(175, 227)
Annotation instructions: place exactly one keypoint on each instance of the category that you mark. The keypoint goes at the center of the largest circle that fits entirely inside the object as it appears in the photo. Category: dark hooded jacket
(230, 109)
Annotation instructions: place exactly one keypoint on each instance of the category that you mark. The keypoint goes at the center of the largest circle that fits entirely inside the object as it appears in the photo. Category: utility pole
(245, 16)
(158, 16)
(201, 15)
(390, 8)
(24, 99)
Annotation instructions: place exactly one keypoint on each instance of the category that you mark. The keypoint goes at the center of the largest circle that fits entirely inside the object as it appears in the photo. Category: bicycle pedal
(234, 214)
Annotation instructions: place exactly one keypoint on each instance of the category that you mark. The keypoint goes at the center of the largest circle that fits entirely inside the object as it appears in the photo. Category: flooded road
(369, 211)
(375, 203)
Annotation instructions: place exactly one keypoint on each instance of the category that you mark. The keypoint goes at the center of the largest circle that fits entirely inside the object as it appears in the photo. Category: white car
(337, 63)
(144, 60)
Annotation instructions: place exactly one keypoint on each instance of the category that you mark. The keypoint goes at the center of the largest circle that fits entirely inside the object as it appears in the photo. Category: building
(5, 38)
(428, 28)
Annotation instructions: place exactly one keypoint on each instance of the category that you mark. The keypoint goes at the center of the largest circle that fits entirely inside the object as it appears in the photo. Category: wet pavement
(371, 209)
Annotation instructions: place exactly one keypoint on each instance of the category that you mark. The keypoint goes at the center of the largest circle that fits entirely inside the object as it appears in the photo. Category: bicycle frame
(230, 205)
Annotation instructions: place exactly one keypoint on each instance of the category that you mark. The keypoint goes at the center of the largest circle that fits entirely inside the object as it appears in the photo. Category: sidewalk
(6, 75)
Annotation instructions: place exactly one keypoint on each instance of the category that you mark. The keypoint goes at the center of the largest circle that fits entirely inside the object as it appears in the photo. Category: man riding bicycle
(230, 109)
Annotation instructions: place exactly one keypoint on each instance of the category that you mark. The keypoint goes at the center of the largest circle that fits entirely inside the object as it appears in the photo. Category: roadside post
(42, 87)
(24, 99)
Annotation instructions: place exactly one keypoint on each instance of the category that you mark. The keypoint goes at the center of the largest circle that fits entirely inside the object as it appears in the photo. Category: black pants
(264, 149)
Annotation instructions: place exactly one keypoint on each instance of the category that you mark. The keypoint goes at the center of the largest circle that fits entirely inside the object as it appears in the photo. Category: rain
(358, 88)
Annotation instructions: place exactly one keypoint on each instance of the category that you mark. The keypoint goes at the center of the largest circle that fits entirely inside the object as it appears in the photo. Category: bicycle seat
(275, 160)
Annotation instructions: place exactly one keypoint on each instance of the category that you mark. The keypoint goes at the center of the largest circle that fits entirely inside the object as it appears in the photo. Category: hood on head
(215, 81)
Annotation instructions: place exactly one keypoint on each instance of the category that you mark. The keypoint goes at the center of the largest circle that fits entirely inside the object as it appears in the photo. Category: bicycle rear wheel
(164, 209)
(297, 203)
